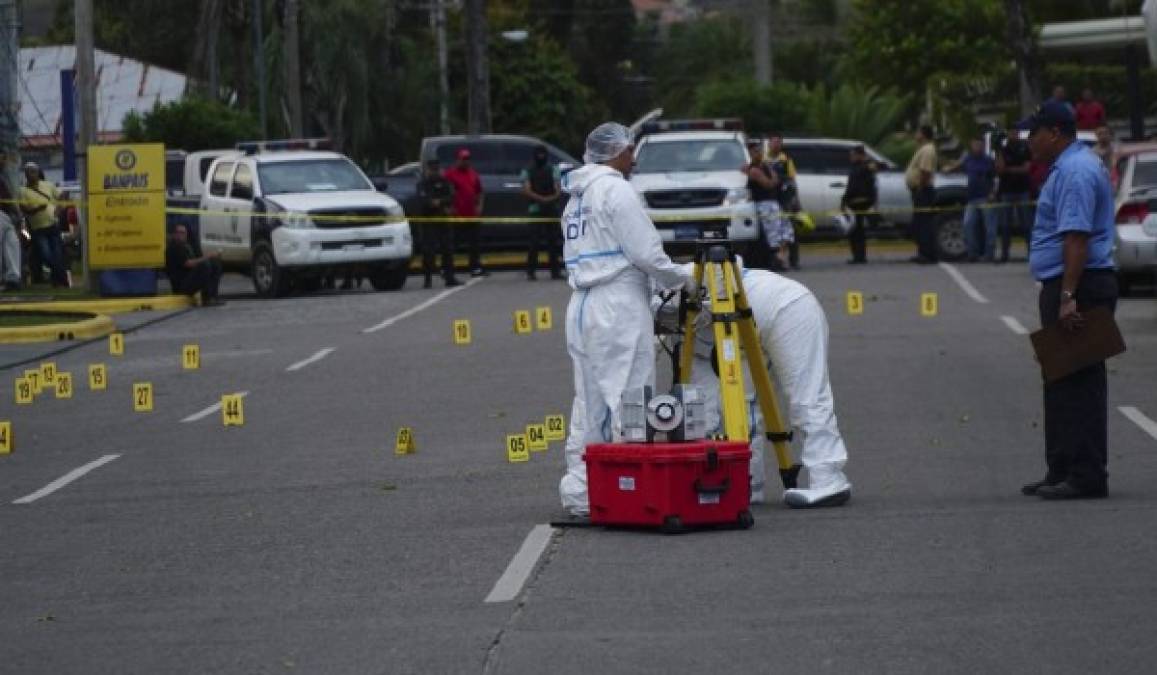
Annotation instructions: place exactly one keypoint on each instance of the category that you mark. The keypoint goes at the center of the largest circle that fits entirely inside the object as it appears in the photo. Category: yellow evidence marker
(97, 377)
(461, 332)
(536, 437)
(404, 444)
(116, 344)
(191, 357)
(522, 322)
(855, 303)
(5, 437)
(543, 318)
(48, 373)
(64, 385)
(929, 304)
(34, 380)
(555, 428)
(143, 397)
(232, 410)
(516, 450)
(23, 391)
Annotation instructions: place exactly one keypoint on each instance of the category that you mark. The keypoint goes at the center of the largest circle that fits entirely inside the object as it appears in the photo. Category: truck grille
(346, 218)
(685, 199)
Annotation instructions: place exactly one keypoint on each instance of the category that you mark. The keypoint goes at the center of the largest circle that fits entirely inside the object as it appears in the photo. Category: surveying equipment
(679, 416)
(717, 277)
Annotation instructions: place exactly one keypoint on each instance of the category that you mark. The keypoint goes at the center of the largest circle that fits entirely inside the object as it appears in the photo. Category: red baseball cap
(464, 153)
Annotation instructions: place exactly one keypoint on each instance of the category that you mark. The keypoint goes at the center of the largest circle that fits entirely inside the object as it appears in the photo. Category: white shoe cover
(832, 489)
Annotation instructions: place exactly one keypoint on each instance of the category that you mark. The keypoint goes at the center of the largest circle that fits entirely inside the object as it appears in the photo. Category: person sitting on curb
(189, 274)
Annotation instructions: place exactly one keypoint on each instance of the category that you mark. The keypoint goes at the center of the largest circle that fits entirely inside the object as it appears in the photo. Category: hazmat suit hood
(576, 182)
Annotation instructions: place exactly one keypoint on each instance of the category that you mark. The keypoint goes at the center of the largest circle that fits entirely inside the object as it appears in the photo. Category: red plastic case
(672, 486)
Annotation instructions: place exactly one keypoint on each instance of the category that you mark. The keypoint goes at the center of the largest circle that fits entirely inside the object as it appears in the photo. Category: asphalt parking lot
(300, 542)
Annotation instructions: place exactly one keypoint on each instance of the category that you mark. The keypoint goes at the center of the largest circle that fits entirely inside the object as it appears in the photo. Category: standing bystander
(788, 196)
(919, 177)
(1072, 258)
(1089, 111)
(1106, 147)
(763, 183)
(468, 204)
(9, 233)
(540, 185)
(981, 172)
(1013, 192)
(38, 200)
(860, 198)
(436, 195)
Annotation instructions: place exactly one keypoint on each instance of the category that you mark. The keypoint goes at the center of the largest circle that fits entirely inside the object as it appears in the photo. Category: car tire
(950, 235)
(389, 278)
(269, 279)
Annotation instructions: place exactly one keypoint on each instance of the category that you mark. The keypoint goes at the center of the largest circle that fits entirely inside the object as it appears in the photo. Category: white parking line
(65, 480)
(417, 308)
(965, 284)
(321, 354)
(510, 584)
(210, 410)
(1140, 419)
(1014, 325)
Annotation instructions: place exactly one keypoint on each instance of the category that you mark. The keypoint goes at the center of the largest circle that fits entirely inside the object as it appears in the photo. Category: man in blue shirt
(1071, 255)
(981, 172)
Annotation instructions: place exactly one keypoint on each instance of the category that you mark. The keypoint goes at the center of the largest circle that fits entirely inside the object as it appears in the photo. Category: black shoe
(427, 283)
(1030, 489)
(213, 302)
(857, 261)
(479, 272)
(557, 276)
(1067, 490)
(530, 276)
(451, 281)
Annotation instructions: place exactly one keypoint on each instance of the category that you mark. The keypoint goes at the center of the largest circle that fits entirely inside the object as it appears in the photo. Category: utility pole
(438, 23)
(9, 98)
(86, 94)
(477, 68)
(761, 40)
(259, 62)
(293, 70)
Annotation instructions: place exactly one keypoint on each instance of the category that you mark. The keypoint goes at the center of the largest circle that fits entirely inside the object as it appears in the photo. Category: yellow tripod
(716, 273)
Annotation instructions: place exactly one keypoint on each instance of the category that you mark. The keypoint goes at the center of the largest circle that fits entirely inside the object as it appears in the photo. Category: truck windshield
(310, 175)
(667, 156)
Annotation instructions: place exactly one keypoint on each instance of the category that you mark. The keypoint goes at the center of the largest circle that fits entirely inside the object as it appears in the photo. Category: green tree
(191, 124)
(781, 107)
(851, 111)
(701, 53)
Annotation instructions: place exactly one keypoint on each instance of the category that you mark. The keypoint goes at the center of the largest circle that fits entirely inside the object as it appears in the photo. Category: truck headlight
(295, 220)
(737, 196)
(395, 214)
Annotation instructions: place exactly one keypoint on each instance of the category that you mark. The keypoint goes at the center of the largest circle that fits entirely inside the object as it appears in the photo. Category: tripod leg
(722, 282)
(691, 309)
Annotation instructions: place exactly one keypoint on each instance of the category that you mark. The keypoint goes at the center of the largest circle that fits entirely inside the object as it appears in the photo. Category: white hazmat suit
(612, 253)
(794, 333)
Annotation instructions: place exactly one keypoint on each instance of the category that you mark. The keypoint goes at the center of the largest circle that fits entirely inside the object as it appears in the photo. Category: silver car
(1135, 245)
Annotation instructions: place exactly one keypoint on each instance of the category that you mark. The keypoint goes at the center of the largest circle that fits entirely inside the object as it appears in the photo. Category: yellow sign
(461, 332)
(516, 450)
(855, 303)
(143, 397)
(543, 318)
(116, 344)
(23, 391)
(126, 199)
(97, 377)
(48, 373)
(929, 304)
(34, 379)
(536, 437)
(404, 444)
(232, 410)
(5, 438)
(191, 357)
(64, 385)
(555, 428)
(522, 322)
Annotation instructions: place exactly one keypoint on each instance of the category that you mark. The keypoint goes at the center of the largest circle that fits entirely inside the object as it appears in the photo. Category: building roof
(123, 85)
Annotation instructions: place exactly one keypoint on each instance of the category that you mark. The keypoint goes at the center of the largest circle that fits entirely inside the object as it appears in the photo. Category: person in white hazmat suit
(613, 254)
(793, 330)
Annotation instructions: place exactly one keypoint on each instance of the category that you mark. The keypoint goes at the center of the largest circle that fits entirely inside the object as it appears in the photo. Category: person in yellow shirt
(38, 200)
(919, 176)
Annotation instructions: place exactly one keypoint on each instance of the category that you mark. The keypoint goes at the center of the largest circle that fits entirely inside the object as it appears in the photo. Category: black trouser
(924, 221)
(551, 233)
(471, 231)
(1076, 407)
(205, 277)
(858, 236)
(438, 238)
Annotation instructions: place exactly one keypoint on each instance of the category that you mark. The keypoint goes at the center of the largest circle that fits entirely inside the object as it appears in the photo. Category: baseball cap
(1051, 114)
(464, 153)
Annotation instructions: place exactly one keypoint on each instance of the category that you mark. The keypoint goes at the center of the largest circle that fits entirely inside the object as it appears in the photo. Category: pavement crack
(491, 663)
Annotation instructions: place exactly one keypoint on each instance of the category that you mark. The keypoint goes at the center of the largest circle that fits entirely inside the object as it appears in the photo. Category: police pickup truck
(289, 214)
(689, 175)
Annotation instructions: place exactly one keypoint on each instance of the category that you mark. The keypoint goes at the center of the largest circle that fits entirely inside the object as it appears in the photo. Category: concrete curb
(105, 306)
(94, 327)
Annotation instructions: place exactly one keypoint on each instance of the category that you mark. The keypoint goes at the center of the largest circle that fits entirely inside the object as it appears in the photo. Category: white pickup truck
(692, 180)
(288, 218)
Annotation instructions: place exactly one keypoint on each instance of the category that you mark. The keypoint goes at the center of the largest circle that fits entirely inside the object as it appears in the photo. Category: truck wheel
(269, 280)
(389, 278)
(950, 236)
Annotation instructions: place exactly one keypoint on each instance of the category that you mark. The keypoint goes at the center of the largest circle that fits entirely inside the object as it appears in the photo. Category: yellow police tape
(523, 220)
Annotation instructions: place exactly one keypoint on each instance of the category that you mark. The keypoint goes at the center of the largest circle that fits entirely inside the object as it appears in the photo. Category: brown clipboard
(1062, 352)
